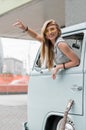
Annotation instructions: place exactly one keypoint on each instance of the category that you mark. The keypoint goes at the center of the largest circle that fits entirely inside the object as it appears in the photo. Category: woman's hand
(56, 69)
(19, 24)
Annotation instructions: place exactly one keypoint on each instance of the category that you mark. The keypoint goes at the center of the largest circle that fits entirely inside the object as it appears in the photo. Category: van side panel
(53, 95)
(47, 97)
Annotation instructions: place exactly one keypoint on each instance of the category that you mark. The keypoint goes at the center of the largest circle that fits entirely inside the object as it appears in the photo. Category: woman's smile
(51, 32)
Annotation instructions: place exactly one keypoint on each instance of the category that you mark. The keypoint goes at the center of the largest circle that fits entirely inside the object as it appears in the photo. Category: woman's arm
(31, 32)
(74, 59)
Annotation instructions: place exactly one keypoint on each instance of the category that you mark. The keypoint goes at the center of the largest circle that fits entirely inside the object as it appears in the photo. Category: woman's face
(51, 32)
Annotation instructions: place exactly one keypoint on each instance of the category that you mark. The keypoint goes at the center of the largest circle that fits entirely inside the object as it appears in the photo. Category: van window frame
(63, 35)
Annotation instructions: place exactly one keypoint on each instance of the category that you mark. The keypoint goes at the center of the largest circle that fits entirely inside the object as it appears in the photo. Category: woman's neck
(53, 41)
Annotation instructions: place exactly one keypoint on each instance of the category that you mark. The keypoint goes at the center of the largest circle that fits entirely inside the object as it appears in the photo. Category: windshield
(33, 53)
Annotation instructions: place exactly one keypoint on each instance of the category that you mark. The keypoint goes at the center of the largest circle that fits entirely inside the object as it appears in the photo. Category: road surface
(13, 111)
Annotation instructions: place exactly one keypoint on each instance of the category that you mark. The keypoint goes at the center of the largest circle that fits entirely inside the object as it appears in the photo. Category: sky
(24, 50)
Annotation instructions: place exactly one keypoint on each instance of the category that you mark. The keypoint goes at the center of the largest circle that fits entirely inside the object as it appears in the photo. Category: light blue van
(53, 104)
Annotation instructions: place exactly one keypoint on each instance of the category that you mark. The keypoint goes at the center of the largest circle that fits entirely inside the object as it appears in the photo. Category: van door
(53, 95)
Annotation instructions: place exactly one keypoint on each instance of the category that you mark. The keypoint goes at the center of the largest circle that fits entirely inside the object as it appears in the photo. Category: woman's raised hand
(19, 24)
(31, 32)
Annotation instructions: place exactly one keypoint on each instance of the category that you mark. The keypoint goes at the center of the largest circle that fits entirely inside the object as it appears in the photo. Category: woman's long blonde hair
(47, 47)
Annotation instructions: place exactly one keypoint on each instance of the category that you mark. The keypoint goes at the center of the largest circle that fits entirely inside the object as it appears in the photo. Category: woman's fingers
(53, 76)
(19, 24)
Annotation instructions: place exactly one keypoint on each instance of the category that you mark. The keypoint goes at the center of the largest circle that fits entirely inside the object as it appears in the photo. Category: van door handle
(76, 88)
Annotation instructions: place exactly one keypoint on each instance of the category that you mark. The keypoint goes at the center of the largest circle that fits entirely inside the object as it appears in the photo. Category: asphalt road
(13, 111)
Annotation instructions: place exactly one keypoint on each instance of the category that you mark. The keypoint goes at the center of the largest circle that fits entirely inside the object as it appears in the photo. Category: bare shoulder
(63, 45)
(66, 49)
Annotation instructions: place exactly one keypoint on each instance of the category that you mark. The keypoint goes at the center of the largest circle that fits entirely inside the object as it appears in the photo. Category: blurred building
(12, 65)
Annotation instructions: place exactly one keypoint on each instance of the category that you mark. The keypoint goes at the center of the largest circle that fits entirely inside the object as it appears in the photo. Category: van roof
(72, 28)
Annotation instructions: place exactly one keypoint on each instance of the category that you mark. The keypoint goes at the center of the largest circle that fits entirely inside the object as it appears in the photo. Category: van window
(74, 41)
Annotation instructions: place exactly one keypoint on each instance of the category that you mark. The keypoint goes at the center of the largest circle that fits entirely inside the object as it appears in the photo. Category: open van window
(74, 41)
(33, 54)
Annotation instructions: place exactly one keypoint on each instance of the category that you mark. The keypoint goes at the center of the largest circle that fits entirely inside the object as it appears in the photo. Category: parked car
(53, 104)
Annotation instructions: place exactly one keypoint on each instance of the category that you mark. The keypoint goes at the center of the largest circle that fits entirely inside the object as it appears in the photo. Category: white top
(59, 57)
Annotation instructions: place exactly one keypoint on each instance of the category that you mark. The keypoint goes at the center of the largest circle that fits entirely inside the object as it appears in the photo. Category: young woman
(53, 48)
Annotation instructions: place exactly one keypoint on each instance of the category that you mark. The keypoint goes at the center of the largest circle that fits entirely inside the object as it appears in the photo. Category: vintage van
(59, 104)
